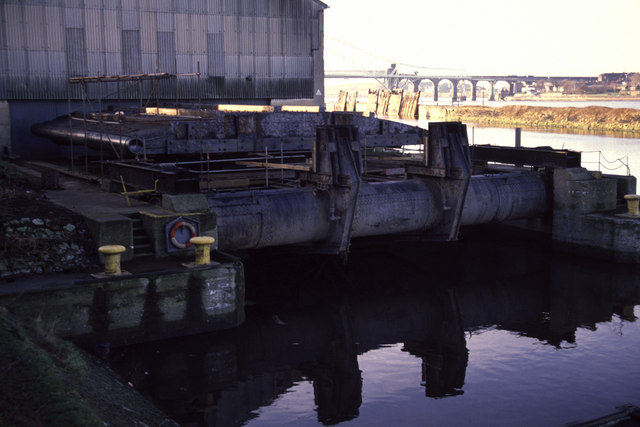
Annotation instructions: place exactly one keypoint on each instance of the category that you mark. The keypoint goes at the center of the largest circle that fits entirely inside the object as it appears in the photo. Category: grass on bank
(588, 118)
(32, 389)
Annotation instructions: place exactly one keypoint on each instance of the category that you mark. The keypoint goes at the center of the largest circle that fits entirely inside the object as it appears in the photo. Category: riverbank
(585, 118)
(561, 97)
(48, 381)
(45, 380)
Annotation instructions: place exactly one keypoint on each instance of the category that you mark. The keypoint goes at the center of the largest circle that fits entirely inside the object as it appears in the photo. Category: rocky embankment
(45, 380)
(584, 118)
(38, 237)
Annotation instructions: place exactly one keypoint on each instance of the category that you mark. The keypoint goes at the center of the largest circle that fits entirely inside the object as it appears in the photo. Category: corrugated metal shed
(245, 48)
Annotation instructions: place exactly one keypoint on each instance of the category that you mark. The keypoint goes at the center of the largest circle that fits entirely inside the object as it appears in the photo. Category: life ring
(172, 234)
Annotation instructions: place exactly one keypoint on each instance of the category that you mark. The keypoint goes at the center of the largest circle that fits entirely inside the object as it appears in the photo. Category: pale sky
(486, 37)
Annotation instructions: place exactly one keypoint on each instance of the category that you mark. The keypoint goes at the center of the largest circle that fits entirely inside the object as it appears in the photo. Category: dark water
(484, 331)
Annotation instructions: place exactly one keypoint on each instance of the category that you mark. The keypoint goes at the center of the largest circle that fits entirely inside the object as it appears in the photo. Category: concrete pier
(151, 303)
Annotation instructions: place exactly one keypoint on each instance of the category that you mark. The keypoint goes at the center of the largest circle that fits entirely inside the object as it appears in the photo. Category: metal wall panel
(129, 5)
(165, 21)
(113, 63)
(95, 63)
(230, 7)
(94, 30)
(54, 28)
(230, 29)
(18, 65)
(199, 34)
(15, 33)
(38, 63)
(131, 55)
(33, 28)
(112, 28)
(246, 48)
(246, 66)
(214, 23)
(149, 61)
(246, 36)
(215, 55)
(93, 4)
(161, 5)
(261, 66)
(261, 36)
(232, 66)
(148, 28)
(130, 19)
(276, 65)
(73, 17)
(78, 4)
(76, 53)
(166, 52)
(113, 4)
(182, 33)
(57, 64)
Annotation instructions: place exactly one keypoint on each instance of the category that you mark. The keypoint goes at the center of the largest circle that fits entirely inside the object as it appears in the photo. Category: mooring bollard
(203, 249)
(633, 203)
(112, 259)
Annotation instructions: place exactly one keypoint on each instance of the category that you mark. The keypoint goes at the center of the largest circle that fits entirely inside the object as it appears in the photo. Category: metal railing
(606, 164)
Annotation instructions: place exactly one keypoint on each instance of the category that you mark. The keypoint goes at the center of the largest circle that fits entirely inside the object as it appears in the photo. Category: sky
(485, 37)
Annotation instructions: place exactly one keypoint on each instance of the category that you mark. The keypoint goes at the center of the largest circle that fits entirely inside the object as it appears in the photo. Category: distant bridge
(392, 79)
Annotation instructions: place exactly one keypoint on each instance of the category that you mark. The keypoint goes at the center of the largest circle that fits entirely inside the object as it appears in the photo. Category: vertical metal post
(282, 163)
(101, 124)
(266, 165)
(518, 139)
(84, 121)
(119, 119)
(70, 123)
(199, 91)
(175, 61)
(156, 84)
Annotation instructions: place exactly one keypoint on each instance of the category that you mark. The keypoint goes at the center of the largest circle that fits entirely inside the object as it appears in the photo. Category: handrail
(604, 163)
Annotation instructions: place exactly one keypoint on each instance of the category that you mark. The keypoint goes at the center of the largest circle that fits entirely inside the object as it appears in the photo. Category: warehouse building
(214, 51)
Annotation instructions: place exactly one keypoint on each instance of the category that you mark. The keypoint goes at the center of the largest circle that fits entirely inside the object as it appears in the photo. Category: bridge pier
(436, 82)
(454, 95)
(416, 85)
(492, 95)
(474, 86)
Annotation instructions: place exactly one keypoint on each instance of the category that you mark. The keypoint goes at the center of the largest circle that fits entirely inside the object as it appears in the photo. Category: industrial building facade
(248, 51)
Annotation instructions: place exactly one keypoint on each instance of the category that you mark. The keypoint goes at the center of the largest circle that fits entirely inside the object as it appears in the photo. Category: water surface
(483, 331)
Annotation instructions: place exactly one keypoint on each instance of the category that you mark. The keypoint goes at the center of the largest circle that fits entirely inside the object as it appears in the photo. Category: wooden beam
(269, 165)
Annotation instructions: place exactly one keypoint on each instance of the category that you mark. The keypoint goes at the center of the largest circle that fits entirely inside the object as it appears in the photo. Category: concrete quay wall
(587, 216)
(134, 307)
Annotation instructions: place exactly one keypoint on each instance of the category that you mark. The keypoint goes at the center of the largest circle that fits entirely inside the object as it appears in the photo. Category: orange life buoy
(172, 234)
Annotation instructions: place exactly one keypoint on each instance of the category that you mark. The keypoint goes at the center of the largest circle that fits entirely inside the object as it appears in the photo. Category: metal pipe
(257, 219)
(93, 139)
(502, 197)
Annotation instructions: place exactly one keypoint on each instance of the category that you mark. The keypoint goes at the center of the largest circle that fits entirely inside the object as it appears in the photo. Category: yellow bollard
(111, 259)
(633, 202)
(203, 249)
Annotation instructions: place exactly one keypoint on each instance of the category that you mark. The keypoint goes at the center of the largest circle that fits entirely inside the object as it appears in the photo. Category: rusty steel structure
(311, 179)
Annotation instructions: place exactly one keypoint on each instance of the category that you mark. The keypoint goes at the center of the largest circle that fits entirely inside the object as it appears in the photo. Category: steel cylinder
(396, 207)
(257, 219)
(262, 218)
(303, 215)
(502, 197)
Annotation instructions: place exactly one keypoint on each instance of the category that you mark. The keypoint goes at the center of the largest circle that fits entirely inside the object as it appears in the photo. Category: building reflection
(424, 297)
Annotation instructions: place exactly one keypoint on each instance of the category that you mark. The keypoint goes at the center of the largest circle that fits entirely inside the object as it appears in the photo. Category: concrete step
(142, 246)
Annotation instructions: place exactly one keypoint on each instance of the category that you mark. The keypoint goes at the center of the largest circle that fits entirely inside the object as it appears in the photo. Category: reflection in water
(430, 298)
